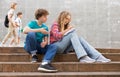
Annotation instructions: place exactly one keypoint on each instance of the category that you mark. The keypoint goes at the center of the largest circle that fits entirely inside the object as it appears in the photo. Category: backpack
(6, 22)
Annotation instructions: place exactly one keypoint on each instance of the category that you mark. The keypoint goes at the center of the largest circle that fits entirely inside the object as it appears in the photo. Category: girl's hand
(70, 27)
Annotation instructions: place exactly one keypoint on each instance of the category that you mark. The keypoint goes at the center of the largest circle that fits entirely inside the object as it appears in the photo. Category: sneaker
(47, 68)
(87, 59)
(102, 59)
(34, 59)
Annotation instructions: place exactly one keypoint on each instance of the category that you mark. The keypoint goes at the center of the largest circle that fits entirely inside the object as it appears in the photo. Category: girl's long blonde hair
(61, 19)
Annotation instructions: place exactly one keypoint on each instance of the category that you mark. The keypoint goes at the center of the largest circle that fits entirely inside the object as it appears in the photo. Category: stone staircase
(15, 62)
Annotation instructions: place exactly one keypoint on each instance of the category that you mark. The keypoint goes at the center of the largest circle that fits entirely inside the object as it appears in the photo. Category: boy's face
(43, 19)
(20, 16)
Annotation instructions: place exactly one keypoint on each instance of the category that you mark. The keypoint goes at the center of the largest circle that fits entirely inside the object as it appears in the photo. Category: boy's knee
(31, 34)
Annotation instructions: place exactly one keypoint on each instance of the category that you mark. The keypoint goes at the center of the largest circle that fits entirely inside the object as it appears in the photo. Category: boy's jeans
(33, 46)
(81, 46)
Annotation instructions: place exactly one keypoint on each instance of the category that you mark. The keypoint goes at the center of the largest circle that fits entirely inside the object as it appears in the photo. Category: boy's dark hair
(40, 12)
(19, 13)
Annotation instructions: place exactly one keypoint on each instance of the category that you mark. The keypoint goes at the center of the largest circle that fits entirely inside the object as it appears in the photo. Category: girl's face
(67, 19)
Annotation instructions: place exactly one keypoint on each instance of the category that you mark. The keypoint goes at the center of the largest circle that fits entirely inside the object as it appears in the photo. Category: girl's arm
(56, 33)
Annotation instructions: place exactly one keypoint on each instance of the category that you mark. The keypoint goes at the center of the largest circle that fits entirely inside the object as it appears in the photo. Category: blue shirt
(39, 35)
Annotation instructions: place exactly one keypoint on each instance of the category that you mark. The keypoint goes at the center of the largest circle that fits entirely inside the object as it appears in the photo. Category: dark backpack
(6, 22)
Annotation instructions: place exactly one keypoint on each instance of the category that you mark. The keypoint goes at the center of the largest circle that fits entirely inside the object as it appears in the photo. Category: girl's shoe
(87, 59)
(102, 59)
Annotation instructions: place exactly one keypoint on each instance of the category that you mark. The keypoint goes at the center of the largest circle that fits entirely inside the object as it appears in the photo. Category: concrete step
(61, 66)
(21, 50)
(24, 57)
(61, 74)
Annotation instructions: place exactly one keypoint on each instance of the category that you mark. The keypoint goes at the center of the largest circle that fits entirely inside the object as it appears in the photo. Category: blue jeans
(33, 46)
(81, 46)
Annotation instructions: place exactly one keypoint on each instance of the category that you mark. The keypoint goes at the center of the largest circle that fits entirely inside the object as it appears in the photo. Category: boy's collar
(19, 17)
(38, 23)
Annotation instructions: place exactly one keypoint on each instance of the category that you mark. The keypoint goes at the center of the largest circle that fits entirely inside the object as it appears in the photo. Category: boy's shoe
(87, 59)
(102, 59)
(47, 68)
(34, 59)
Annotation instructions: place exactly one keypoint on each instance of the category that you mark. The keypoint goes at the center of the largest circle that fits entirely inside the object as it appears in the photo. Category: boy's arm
(16, 24)
(45, 42)
(27, 29)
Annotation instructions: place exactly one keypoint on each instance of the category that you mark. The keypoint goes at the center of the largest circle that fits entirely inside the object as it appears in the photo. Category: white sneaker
(102, 59)
(87, 59)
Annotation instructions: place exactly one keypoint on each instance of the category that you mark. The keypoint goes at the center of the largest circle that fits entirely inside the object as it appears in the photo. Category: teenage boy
(37, 41)
(11, 18)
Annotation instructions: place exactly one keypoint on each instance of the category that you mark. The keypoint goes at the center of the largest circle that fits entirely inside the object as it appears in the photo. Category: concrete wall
(98, 21)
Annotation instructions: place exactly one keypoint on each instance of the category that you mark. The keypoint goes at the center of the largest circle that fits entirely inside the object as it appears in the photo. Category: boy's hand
(42, 30)
(43, 44)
